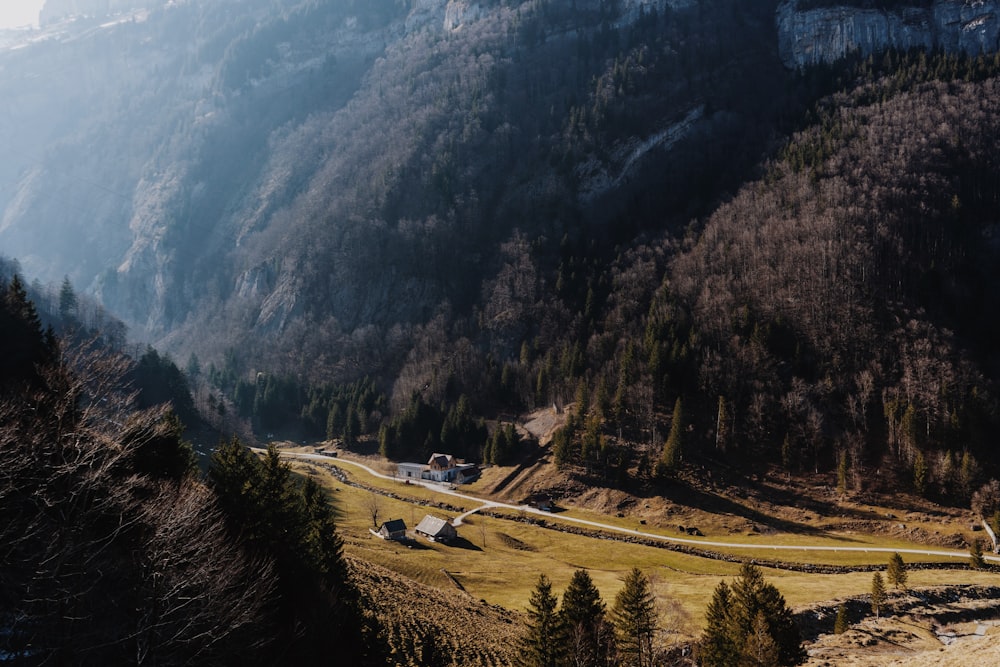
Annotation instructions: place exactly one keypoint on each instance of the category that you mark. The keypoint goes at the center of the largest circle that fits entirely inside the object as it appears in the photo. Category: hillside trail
(539, 426)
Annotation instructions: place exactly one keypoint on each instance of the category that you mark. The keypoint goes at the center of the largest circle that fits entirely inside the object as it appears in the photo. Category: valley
(503, 546)
(708, 291)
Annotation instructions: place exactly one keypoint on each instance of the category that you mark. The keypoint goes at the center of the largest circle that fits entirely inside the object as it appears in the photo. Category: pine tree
(352, 427)
(920, 473)
(716, 644)
(731, 616)
(562, 446)
(292, 526)
(878, 593)
(722, 425)
(968, 472)
(896, 573)
(67, 303)
(586, 634)
(760, 649)
(582, 399)
(542, 642)
(25, 346)
(841, 623)
(976, 560)
(634, 619)
(671, 456)
(842, 472)
(193, 368)
(786, 452)
(335, 423)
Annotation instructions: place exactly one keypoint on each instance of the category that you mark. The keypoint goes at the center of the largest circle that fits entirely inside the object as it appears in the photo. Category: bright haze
(18, 13)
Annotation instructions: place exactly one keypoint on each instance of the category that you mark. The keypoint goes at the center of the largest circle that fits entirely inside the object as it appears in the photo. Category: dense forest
(405, 224)
(834, 314)
(116, 550)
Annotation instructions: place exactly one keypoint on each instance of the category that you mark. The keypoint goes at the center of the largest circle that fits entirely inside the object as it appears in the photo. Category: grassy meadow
(499, 560)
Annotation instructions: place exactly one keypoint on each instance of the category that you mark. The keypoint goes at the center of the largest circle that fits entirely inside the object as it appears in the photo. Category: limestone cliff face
(808, 37)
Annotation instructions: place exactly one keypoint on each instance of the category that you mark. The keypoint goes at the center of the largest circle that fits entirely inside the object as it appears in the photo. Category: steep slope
(286, 169)
(844, 303)
(427, 626)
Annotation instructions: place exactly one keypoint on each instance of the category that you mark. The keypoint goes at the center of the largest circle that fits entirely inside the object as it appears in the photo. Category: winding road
(756, 546)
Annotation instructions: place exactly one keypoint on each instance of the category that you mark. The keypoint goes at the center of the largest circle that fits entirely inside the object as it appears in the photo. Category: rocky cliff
(824, 34)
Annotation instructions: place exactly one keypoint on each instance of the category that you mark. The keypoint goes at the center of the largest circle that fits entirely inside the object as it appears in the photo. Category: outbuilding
(436, 529)
(392, 530)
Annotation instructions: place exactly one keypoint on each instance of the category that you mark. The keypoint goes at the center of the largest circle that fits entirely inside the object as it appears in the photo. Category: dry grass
(425, 625)
(908, 636)
(499, 561)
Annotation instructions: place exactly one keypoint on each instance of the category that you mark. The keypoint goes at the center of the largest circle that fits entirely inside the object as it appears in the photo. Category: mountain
(358, 213)
(267, 168)
(820, 31)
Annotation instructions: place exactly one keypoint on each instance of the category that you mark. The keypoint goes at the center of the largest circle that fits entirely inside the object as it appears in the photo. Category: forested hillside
(116, 551)
(391, 219)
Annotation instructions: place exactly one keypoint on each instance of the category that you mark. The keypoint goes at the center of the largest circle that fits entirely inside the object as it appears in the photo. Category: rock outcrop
(824, 34)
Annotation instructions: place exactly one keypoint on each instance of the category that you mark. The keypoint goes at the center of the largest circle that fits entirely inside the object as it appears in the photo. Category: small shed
(436, 529)
(466, 472)
(392, 530)
(540, 501)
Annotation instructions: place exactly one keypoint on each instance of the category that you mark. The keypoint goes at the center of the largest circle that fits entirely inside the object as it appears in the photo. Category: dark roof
(394, 526)
(442, 460)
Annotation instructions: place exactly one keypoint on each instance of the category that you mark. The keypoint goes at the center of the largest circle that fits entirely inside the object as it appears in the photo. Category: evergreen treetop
(634, 618)
(878, 593)
(732, 632)
(542, 642)
(896, 572)
(586, 634)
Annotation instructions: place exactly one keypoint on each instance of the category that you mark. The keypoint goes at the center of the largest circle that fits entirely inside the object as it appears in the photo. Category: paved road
(756, 546)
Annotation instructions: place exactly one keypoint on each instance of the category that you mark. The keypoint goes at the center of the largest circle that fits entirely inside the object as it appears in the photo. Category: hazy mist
(18, 13)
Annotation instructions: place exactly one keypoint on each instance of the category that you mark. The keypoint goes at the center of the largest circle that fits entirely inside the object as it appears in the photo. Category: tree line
(747, 623)
(117, 550)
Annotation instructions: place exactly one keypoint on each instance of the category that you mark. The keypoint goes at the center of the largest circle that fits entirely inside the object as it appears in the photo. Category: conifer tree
(760, 649)
(292, 526)
(841, 623)
(542, 642)
(878, 593)
(842, 472)
(786, 452)
(587, 637)
(25, 347)
(722, 425)
(731, 616)
(716, 645)
(976, 560)
(562, 446)
(335, 422)
(634, 618)
(193, 368)
(671, 456)
(920, 473)
(896, 572)
(67, 302)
